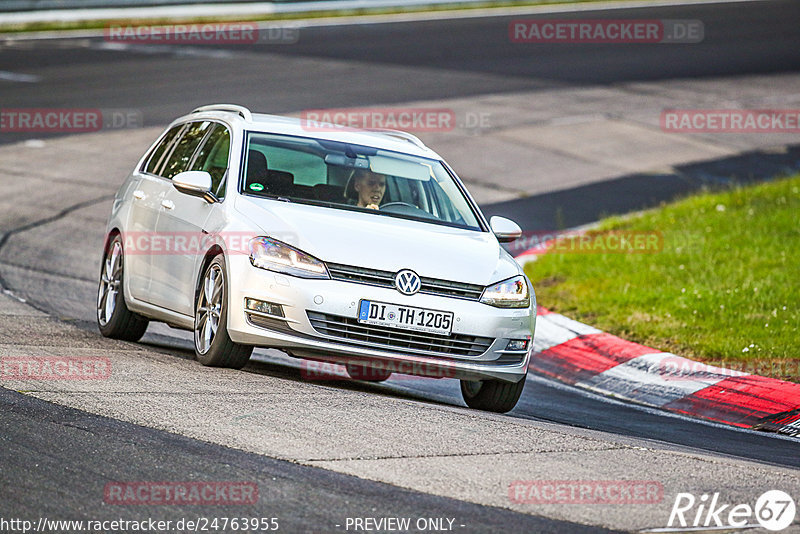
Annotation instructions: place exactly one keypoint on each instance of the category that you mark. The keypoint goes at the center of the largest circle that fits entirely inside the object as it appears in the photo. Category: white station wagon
(356, 247)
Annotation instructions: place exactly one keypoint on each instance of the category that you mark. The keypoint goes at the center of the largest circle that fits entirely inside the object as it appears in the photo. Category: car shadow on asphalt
(386, 389)
(182, 348)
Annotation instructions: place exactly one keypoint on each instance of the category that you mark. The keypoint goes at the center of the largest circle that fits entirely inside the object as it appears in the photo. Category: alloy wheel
(110, 282)
(209, 308)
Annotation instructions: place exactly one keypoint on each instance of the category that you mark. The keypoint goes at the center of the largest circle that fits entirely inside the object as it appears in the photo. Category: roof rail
(233, 108)
(399, 134)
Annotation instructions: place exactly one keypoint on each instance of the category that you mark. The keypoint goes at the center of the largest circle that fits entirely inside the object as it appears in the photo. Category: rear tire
(212, 344)
(367, 373)
(114, 319)
(491, 395)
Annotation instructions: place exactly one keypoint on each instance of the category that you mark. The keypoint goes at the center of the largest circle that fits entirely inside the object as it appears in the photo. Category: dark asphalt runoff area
(55, 461)
(371, 64)
(379, 64)
(547, 400)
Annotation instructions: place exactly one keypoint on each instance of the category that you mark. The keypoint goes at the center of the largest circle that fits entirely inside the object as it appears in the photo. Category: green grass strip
(723, 284)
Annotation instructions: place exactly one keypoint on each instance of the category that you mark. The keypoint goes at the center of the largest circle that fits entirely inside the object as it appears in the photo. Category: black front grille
(510, 359)
(269, 323)
(428, 286)
(348, 328)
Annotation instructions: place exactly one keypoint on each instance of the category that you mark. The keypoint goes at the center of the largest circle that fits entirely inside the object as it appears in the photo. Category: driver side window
(184, 149)
(213, 157)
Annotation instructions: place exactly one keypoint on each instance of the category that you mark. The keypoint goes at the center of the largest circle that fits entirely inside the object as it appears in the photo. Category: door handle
(167, 204)
(139, 195)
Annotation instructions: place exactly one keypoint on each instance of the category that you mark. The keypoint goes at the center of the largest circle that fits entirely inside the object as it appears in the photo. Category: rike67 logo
(774, 510)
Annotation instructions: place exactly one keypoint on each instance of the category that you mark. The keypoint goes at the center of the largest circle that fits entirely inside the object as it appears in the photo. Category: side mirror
(194, 183)
(506, 230)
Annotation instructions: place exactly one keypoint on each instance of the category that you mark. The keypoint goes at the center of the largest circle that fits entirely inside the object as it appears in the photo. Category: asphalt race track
(54, 459)
(364, 65)
(303, 497)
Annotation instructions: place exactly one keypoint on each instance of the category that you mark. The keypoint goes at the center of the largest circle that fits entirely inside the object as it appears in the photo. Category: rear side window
(158, 155)
(213, 158)
(184, 149)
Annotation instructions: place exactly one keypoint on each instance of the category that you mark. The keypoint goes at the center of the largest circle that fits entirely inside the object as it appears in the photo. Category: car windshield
(353, 177)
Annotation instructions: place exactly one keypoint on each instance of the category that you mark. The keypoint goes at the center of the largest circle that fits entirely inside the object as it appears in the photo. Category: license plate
(405, 317)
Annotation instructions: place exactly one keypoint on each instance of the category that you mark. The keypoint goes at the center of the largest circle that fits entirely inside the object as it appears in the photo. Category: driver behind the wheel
(369, 188)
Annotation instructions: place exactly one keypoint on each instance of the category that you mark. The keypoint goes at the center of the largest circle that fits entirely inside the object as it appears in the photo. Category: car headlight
(273, 255)
(511, 293)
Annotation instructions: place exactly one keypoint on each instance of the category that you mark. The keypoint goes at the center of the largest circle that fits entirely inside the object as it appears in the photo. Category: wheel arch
(209, 256)
(110, 235)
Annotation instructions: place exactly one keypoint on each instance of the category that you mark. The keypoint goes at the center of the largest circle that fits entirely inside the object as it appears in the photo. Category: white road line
(255, 9)
(18, 77)
(423, 16)
(175, 50)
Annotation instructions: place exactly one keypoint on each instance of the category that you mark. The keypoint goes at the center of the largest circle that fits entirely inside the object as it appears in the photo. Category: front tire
(114, 319)
(212, 344)
(491, 395)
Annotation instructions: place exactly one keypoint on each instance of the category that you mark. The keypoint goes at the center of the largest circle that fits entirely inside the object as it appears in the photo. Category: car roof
(393, 140)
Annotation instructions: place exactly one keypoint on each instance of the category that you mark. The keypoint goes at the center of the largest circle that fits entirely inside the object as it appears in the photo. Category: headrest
(257, 170)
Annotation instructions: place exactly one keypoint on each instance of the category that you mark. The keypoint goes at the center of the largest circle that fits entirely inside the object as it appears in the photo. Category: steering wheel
(404, 208)
(390, 204)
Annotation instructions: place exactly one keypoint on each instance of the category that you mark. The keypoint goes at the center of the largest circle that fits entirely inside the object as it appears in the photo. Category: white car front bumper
(320, 322)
